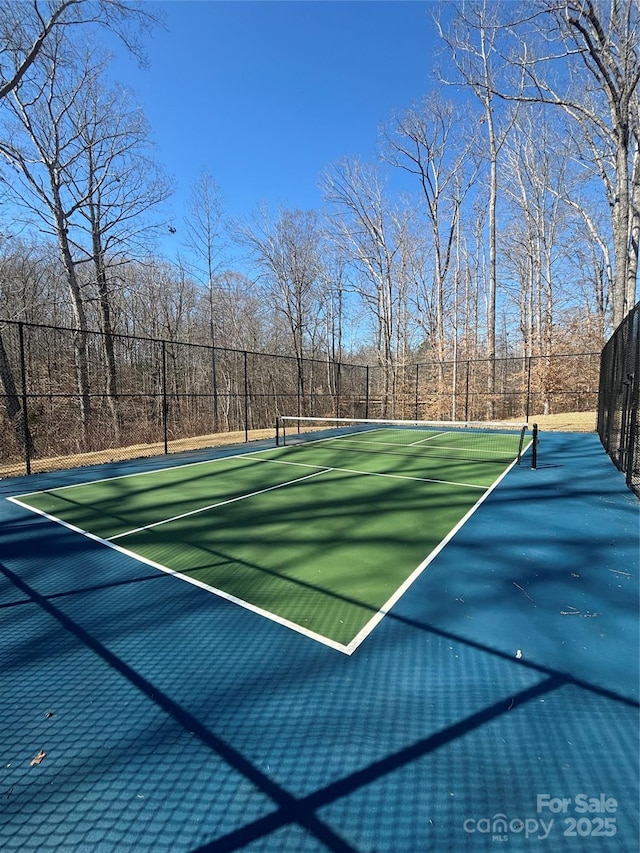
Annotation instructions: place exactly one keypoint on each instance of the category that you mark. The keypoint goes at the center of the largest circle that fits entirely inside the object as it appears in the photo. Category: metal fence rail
(70, 398)
(618, 423)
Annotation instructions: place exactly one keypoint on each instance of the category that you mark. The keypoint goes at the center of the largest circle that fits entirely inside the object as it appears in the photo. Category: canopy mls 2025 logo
(581, 816)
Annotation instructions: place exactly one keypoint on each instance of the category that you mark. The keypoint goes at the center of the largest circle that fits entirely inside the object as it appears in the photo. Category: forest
(512, 245)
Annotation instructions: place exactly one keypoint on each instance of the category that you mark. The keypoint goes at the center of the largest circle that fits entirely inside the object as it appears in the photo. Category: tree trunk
(620, 217)
(107, 330)
(14, 409)
(80, 341)
(634, 241)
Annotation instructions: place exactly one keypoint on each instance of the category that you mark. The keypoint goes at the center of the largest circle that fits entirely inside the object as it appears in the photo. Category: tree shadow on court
(305, 810)
(338, 749)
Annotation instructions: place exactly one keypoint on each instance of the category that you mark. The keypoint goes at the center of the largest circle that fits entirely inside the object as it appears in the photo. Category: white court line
(219, 503)
(428, 438)
(350, 648)
(249, 456)
(345, 437)
(288, 483)
(376, 474)
(451, 449)
(221, 593)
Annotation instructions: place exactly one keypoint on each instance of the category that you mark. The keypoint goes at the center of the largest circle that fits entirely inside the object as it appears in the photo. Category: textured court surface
(321, 540)
(495, 707)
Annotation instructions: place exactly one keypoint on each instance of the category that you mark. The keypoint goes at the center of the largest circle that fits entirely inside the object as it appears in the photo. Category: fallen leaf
(38, 759)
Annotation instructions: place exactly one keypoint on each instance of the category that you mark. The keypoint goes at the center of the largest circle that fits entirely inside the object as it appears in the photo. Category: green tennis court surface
(322, 536)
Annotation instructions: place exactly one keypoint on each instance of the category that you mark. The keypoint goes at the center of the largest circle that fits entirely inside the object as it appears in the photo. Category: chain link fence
(618, 424)
(70, 398)
(481, 390)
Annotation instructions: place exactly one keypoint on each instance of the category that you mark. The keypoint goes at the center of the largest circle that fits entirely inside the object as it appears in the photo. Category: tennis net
(481, 441)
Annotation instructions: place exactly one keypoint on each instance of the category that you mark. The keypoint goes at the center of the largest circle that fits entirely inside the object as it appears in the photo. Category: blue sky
(265, 95)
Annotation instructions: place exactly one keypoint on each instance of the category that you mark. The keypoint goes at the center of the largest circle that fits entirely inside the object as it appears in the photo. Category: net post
(523, 430)
(534, 447)
(281, 432)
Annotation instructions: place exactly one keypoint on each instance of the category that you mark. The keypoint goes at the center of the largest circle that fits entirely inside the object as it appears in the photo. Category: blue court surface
(494, 707)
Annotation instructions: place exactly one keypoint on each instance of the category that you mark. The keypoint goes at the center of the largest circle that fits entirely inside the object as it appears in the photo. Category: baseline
(410, 580)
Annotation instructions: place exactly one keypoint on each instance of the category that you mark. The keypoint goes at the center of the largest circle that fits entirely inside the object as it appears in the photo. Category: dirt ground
(568, 422)
(135, 451)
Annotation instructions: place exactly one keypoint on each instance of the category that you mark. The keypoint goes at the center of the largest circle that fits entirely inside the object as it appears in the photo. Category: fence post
(631, 448)
(625, 417)
(25, 413)
(528, 403)
(165, 404)
(216, 419)
(366, 398)
(466, 394)
(246, 399)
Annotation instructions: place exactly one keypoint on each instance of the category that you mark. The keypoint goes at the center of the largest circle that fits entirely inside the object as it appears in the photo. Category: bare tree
(537, 243)
(205, 241)
(285, 249)
(374, 235)
(33, 40)
(84, 177)
(27, 30)
(473, 42)
(28, 292)
(429, 141)
(634, 224)
(31, 288)
(206, 244)
(118, 189)
(533, 165)
(333, 291)
(583, 57)
(589, 250)
(239, 313)
(41, 148)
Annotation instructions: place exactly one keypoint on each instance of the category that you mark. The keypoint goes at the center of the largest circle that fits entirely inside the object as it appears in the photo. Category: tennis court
(494, 706)
(322, 533)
